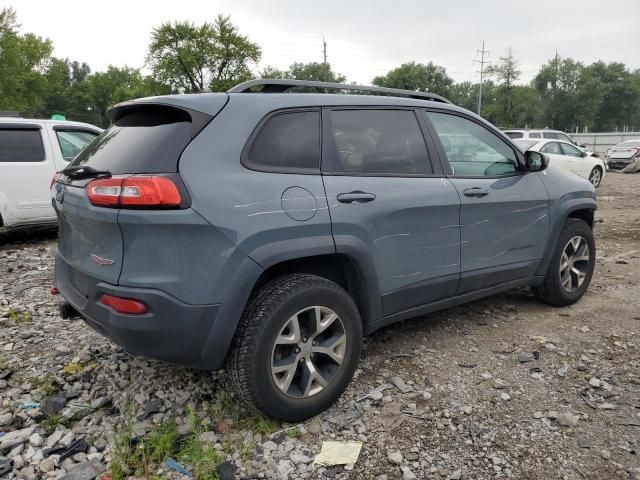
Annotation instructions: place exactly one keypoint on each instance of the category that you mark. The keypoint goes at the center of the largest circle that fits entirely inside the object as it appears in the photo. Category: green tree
(23, 63)
(417, 76)
(507, 73)
(317, 71)
(193, 58)
(557, 83)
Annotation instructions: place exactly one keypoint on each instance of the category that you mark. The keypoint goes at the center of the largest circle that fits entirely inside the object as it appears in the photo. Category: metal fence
(600, 142)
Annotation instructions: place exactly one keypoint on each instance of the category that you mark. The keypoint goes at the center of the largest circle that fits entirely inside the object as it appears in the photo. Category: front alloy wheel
(596, 177)
(574, 263)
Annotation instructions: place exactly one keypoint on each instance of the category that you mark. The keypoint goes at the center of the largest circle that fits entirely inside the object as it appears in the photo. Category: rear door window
(375, 142)
(21, 145)
(72, 142)
(288, 142)
(534, 135)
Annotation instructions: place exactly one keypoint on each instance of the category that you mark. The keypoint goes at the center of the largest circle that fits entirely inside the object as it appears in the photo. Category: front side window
(570, 150)
(21, 145)
(375, 142)
(471, 149)
(288, 142)
(552, 148)
(72, 142)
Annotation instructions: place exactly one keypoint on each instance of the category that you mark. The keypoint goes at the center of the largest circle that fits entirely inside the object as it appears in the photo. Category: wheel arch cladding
(579, 208)
(342, 269)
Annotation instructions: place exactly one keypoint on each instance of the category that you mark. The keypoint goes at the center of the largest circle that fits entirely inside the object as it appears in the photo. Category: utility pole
(482, 63)
(324, 56)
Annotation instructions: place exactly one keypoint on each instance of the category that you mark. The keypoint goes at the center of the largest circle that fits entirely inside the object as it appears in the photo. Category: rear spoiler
(148, 113)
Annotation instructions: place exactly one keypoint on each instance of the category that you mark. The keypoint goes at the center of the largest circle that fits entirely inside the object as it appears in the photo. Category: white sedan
(568, 157)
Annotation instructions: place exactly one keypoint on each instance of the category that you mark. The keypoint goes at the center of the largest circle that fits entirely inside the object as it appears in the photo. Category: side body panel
(410, 230)
(504, 233)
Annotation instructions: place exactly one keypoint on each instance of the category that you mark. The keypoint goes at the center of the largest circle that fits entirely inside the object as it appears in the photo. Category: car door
(575, 160)
(557, 157)
(387, 200)
(504, 216)
(67, 141)
(26, 169)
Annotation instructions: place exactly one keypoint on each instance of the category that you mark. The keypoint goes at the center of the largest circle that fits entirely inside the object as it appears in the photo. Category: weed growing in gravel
(201, 456)
(46, 383)
(50, 424)
(18, 317)
(227, 406)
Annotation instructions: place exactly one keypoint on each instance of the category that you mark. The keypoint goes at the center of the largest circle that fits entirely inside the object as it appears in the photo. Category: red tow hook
(55, 291)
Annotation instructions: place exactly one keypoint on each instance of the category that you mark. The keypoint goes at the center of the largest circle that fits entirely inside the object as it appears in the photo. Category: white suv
(31, 152)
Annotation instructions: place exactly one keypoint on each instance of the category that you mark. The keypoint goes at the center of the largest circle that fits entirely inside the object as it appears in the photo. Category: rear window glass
(148, 140)
(21, 145)
(72, 142)
(514, 134)
(288, 142)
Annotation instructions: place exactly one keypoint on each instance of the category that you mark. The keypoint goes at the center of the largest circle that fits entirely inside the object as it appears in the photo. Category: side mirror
(583, 154)
(583, 145)
(535, 161)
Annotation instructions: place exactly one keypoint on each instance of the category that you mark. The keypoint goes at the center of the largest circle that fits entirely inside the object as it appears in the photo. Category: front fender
(560, 211)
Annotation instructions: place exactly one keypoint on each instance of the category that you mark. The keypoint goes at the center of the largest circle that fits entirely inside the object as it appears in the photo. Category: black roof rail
(270, 85)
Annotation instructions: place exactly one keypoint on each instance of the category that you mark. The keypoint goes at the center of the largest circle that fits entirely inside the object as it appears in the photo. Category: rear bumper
(171, 330)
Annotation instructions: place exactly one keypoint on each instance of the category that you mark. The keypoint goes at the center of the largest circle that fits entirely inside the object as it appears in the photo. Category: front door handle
(476, 192)
(356, 197)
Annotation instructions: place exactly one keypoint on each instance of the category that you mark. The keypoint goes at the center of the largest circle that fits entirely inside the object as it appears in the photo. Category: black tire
(599, 181)
(266, 314)
(552, 291)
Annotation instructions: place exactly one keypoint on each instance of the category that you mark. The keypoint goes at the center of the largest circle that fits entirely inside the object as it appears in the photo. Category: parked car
(622, 155)
(544, 133)
(567, 156)
(275, 229)
(31, 151)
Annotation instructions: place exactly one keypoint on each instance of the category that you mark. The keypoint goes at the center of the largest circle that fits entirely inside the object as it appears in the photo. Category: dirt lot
(502, 388)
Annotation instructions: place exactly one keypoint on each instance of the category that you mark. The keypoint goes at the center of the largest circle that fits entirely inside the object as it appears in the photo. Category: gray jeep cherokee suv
(275, 229)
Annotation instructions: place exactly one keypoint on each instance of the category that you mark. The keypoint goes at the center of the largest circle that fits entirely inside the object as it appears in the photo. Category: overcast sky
(365, 38)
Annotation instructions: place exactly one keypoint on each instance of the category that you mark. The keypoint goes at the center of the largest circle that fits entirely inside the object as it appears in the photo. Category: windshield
(524, 145)
(628, 144)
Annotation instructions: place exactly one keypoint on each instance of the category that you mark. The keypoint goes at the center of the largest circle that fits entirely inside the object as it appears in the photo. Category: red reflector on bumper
(55, 291)
(124, 305)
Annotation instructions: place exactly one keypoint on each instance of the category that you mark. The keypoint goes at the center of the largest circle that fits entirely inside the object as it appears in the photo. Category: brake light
(135, 191)
(54, 179)
(124, 305)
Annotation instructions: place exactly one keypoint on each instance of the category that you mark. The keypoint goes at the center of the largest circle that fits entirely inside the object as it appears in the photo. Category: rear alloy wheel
(571, 267)
(595, 177)
(297, 347)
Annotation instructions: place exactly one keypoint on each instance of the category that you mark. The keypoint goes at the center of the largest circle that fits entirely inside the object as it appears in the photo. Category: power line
(481, 62)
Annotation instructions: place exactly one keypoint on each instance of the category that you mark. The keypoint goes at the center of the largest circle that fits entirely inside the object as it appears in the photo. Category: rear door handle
(476, 192)
(356, 197)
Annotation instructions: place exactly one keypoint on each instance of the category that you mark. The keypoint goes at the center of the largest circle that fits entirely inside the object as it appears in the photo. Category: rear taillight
(54, 179)
(124, 305)
(135, 191)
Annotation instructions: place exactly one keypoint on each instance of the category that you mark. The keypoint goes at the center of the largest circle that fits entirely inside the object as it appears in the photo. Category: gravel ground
(505, 387)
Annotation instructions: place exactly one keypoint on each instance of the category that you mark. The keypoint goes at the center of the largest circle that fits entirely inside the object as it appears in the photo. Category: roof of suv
(41, 121)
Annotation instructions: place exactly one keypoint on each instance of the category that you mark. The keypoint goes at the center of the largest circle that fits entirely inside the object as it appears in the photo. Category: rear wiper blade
(82, 171)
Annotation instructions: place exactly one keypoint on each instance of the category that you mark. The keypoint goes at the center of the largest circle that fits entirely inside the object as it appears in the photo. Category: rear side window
(21, 145)
(375, 142)
(287, 142)
(146, 140)
(72, 142)
(552, 148)
(514, 134)
(534, 135)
